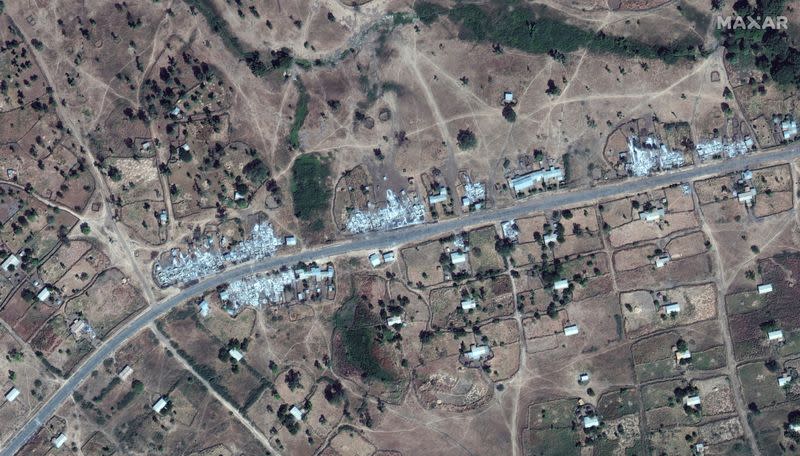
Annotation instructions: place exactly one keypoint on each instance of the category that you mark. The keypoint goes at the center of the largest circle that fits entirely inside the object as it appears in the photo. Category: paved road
(382, 240)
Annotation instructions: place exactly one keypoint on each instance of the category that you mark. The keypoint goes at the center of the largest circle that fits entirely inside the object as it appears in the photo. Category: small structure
(204, 308)
(784, 380)
(775, 335)
(548, 238)
(235, 354)
(125, 372)
(375, 259)
(12, 262)
(388, 257)
(765, 288)
(682, 355)
(699, 448)
(44, 294)
(672, 308)
(562, 284)
(297, 413)
(692, 401)
(12, 394)
(508, 97)
(794, 427)
(290, 241)
(160, 404)
(747, 196)
(458, 258)
(477, 352)
(571, 330)
(185, 147)
(468, 304)
(653, 215)
(176, 112)
(396, 320)
(439, 197)
(662, 261)
(77, 326)
(590, 421)
(59, 440)
(789, 129)
(583, 378)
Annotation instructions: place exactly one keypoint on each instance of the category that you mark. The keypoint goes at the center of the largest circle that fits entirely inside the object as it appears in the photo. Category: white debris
(650, 155)
(201, 262)
(266, 289)
(510, 230)
(708, 149)
(398, 212)
(474, 193)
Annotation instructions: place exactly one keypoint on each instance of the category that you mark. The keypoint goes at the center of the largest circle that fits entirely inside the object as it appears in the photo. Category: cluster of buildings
(207, 259)
(298, 284)
(376, 259)
(399, 212)
(474, 196)
(718, 148)
(649, 154)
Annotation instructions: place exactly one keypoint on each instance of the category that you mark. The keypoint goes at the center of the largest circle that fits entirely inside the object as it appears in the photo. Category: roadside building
(77, 326)
(765, 288)
(571, 330)
(468, 304)
(439, 197)
(12, 394)
(235, 354)
(562, 284)
(375, 260)
(672, 308)
(160, 404)
(521, 183)
(388, 257)
(290, 241)
(59, 440)
(775, 335)
(125, 372)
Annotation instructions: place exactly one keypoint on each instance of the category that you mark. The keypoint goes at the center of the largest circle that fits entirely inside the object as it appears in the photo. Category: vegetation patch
(310, 191)
(358, 339)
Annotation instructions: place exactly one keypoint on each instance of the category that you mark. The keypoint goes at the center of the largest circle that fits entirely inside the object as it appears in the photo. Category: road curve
(382, 240)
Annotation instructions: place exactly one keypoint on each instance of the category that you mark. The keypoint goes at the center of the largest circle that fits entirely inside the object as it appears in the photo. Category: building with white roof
(508, 97)
(775, 336)
(784, 380)
(12, 260)
(235, 354)
(125, 372)
(562, 284)
(652, 215)
(59, 440)
(571, 330)
(458, 258)
(672, 308)
(468, 304)
(375, 259)
(388, 257)
(590, 422)
(794, 427)
(789, 129)
(290, 241)
(477, 352)
(747, 196)
(12, 394)
(439, 197)
(297, 413)
(583, 377)
(160, 404)
(765, 288)
(526, 181)
(692, 401)
(662, 261)
(681, 355)
(395, 320)
(44, 294)
(551, 237)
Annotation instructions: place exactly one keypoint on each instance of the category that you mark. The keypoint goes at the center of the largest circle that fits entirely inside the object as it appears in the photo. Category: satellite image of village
(399, 227)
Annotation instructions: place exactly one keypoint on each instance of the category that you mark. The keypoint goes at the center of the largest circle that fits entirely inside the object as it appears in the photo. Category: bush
(509, 114)
(256, 171)
(466, 139)
(85, 229)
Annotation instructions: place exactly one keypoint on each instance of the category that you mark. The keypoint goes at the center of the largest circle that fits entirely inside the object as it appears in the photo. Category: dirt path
(232, 410)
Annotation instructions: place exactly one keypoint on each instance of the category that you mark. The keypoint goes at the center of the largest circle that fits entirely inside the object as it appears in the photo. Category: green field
(310, 192)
